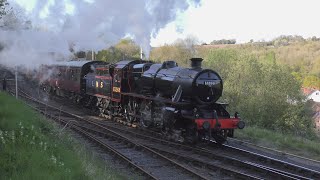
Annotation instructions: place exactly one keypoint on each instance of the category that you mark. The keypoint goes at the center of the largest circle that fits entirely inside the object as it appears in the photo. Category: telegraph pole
(16, 76)
(141, 53)
(92, 55)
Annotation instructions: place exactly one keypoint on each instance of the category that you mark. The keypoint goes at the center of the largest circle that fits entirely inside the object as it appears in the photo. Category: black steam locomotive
(179, 102)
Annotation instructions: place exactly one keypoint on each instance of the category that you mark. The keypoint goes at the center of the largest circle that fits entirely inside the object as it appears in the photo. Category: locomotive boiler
(168, 80)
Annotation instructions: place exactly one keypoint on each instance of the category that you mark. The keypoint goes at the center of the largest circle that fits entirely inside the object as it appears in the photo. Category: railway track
(249, 163)
(246, 148)
(275, 151)
(300, 171)
(196, 161)
(314, 165)
(151, 164)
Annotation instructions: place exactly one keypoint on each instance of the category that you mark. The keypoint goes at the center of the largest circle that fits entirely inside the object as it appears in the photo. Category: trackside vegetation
(285, 142)
(34, 148)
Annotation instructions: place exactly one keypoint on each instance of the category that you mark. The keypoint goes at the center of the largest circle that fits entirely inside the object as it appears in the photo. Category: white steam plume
(94, 24)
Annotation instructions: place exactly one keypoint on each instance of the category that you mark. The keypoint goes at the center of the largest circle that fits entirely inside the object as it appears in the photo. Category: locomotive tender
(179, 102)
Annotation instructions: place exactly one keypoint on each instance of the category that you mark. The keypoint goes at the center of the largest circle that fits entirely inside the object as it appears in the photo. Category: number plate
(116, 89)
(210, 83)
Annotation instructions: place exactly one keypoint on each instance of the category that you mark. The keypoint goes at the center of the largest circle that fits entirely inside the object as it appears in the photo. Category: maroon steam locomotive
(179, 102)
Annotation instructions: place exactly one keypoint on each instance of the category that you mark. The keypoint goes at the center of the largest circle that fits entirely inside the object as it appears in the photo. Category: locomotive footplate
(158, 99)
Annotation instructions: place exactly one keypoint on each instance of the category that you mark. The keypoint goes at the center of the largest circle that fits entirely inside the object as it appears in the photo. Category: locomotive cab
(139, 69)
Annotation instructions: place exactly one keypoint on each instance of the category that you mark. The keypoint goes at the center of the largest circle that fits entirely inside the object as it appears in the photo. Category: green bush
(266, 94)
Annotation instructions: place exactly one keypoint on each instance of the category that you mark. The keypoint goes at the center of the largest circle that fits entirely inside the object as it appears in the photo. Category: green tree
(181, 51)
(124, 49)
(109, 55)
(224, 41)
(128, 48)
(3, 4)
(296, 120)
(316, 67)
(264, 93)
(311, 81)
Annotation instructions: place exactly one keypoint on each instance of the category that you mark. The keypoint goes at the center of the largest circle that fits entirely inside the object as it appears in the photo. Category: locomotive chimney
(196, 62)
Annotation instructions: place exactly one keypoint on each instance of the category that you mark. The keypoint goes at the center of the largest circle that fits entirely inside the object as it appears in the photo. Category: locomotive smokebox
(196, 62)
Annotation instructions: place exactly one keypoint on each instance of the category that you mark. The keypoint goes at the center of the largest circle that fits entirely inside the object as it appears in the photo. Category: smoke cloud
(86, 24)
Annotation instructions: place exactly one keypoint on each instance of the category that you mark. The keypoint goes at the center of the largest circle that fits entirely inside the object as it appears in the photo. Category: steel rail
(275, 150)
(296, 168)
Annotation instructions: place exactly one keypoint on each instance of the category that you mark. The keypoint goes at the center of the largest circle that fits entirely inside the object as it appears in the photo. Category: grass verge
(34, 148)
(284, 142)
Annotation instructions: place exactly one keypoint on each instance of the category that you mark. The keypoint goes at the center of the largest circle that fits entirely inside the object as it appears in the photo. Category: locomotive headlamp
(236, 114)
(241, 124)
(206, 125)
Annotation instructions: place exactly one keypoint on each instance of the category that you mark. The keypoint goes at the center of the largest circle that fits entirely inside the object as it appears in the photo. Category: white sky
(237, 19)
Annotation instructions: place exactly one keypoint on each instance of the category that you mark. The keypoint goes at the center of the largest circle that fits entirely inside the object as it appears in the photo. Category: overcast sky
(234, 19)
